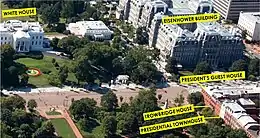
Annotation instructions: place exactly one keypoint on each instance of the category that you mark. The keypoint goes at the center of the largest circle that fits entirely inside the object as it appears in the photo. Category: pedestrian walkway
(65, 115)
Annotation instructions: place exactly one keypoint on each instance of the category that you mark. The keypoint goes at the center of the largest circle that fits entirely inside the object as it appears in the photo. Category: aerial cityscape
(130, 68)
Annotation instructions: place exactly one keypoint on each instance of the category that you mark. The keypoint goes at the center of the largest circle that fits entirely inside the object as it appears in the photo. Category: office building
(150, 9)
(96, 30)
(230, 9)
(193, 43)
(234, 104)
(250, 22)
(23, 36)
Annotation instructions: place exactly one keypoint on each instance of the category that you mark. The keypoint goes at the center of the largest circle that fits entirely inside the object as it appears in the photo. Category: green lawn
(53, 113)
(62, 128)
(44, 65)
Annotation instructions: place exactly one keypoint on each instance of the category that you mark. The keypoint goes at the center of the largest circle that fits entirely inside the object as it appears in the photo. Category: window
(1, 38)
(40, 37)
(23, 43)
(32, 42)
(36, 37)
(5, 38)
(40, 43)
(35, 42)
(33, 37)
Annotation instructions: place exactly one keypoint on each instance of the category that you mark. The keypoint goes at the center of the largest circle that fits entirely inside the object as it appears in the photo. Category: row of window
(2, 43)
(40, 37)
(36, 42)
(5, 38)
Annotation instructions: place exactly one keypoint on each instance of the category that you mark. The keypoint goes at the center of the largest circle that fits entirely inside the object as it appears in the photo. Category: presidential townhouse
(23, 36)
(237, 103)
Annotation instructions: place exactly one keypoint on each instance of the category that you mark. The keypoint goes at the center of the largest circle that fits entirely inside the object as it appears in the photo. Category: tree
(83, 108)
(124, 107)
(202, 68)
(25, 131)
(109, 126)
(7, 53)
(47, 130)
(236, 134)
(109, 101)
(239, 65)
(54, 43)
(171, 65)
(31, 104)
(254, 67)
(54, 80)
(126, 123)
(13, 102)
(195, 98)
(70, 44)
(67, 9)
(63, 74)
(24, 79)
(252, 78)
(145, 73)
(142, 36)
(179, 100)
(12, 3)
(50, 14)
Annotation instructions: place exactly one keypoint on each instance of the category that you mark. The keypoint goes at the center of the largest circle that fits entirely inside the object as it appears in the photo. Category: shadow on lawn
(90, 124)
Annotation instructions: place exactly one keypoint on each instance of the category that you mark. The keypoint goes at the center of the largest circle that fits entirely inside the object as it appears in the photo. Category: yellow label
(210, 17)
(173, 124)
(212, 77)
(168, 112)
(18, 12)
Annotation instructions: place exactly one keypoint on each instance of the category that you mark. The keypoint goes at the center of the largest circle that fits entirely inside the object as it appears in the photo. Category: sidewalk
(65, 115)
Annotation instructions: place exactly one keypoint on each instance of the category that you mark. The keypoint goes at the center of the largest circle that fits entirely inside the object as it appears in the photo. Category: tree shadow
(92, 124)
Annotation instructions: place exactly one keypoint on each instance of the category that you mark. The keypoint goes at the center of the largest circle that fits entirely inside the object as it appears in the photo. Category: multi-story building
(96, 30)
(250, 22)
(234, 103)
(209, 42)
(23, 36)
(123, 9)
(150, 9)
(230, 9)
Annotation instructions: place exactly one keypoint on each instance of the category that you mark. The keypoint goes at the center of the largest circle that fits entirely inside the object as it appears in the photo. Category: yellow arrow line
(213, 117)
(200, 106)
(202, 86)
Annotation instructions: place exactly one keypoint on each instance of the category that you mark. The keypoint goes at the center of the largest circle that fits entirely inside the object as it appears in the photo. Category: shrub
(66, 32)
(53, 60)
(34, 55)
(60, 28)
(56, 65)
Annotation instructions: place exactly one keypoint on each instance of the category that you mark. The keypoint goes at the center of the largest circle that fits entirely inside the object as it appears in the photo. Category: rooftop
(253, 15)
(93, 25)
(16, 25)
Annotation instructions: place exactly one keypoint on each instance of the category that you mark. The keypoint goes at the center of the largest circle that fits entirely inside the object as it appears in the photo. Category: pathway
(65, 115)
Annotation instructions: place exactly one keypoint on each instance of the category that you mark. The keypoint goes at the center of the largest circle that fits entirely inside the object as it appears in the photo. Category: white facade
(250, 22)
(23, 36)
(230, 9)
(97, 30)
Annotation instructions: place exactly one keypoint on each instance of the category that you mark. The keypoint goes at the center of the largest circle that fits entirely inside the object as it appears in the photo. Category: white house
(23, 36)
(97, 30)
